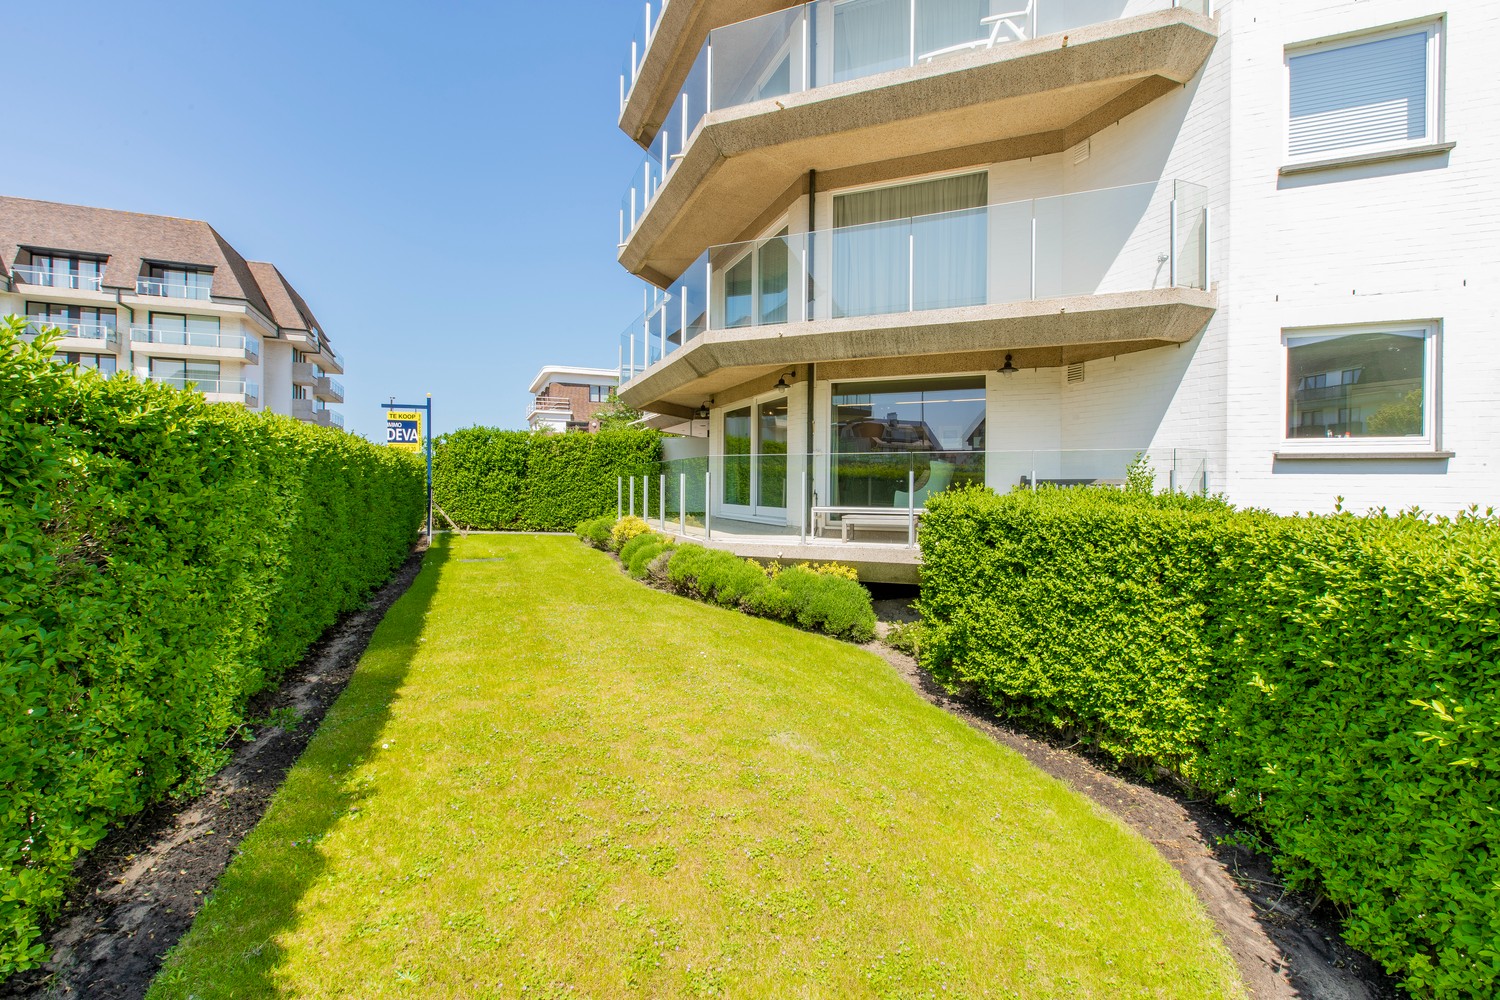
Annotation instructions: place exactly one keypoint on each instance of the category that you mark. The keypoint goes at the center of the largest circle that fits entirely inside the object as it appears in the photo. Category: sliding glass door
(755, 460)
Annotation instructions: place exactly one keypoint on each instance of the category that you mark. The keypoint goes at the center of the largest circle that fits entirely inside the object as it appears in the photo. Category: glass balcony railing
(336, 418)
(873, 495)
(248, 391)
(195, 338)
(171, 289)
(100, 332)
(1132, 238)
(51, 277)
(831, 41)
(640, 43)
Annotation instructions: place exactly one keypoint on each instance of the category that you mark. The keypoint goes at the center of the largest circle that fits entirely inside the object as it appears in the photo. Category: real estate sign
(403, 429)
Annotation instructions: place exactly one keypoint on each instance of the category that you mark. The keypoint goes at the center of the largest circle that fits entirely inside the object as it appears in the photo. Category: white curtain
(917, 246)
(870, 36)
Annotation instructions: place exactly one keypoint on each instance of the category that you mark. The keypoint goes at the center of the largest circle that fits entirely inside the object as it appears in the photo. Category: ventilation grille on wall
(1082, 151)
(1075, 373)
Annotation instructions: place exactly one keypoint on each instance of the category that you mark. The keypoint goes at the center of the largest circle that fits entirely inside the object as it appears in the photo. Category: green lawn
(547, 780)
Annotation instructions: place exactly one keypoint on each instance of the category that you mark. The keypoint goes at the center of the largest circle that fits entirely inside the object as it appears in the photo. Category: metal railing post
(1033, 250)
(1172, 476)
(632, 496)
(1173, 245)
(1207, 249)
(708, 505)
(911, 507)
(646, 498)
(619, 497)
(663, 501)
(1033, 472)
(682, 502)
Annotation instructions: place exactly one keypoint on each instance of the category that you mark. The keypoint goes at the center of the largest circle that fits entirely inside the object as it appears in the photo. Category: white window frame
(1436, 97)
(1432, 399)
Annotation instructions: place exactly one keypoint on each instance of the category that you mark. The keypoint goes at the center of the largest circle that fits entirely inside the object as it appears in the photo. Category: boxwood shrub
(161, 561)
(495, 480)
(1334, 680)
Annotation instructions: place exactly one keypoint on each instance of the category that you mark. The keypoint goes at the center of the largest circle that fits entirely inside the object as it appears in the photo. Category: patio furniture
(997, 21)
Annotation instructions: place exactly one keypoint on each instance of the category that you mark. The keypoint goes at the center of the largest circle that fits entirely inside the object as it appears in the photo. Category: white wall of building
(1404, 240)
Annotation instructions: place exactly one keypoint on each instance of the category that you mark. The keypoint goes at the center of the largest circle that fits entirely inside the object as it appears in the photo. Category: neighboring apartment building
(901, 244)
(168, 300)
(566, 399)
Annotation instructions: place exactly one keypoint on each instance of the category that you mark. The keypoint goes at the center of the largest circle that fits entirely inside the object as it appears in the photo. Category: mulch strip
(1285, 944)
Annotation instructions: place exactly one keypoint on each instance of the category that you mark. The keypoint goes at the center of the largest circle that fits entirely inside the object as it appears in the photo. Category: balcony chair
(939, 476)
(997, 21)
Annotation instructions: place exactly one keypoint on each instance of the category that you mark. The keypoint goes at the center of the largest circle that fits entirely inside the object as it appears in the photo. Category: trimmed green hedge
(1334, 680)
(494, 480)
(161, 560)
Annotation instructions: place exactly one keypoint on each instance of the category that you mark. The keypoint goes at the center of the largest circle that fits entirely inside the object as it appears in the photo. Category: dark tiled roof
(126, 239)
(288, 309)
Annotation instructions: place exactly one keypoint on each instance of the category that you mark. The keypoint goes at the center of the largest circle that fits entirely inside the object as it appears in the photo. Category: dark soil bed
(139, 890)
(1285, 944)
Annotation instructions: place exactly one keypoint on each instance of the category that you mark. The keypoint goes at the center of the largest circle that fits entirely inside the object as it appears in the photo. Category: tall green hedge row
(161, 560)
(1334, 680)
(496, 480)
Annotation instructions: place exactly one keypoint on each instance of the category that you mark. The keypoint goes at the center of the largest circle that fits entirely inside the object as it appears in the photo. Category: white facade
(233, 330)
(1380, 256)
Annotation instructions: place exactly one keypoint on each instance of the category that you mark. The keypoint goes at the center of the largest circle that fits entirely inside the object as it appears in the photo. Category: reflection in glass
(934, 428)
(1357, 385)
(737, 457)
(771, 464)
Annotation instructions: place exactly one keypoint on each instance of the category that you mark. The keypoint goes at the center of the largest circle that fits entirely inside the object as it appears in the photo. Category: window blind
(1367, 94)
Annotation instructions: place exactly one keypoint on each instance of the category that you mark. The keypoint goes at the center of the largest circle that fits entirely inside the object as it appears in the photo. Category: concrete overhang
(679, 39)
(1041, 333)
(1016, 100)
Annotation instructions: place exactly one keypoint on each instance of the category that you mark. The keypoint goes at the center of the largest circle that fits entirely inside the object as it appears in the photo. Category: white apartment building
(901, 244)
(565, 398)
(168, 300)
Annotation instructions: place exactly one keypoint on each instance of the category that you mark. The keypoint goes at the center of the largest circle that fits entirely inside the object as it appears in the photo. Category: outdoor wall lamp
(1009, 368)
(702, 413)
(782, 382)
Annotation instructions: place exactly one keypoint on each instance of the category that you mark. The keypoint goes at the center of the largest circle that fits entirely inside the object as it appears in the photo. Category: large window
(76, 321)
(59, 271)
(887, 434)
(911, 247)
(756, 286)
(175, 282)
(176, 328)
(1374, 92)
(104, 364)
(1369, 383)
(200, 375)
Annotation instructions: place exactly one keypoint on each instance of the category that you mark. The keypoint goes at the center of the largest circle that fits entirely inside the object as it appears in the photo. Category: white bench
(871, 518)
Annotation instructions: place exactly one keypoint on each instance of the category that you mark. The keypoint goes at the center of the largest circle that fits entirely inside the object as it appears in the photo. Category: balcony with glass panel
(328, 390)
(216, 390)
(305, 373)
(1044, 282)
(314, 411)
(329, 360)
(176, 283)
(95, 334)
(71, 274)
(193, 338)
(771, 98)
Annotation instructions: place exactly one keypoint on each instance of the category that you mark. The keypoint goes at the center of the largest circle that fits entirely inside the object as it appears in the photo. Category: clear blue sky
(441, 181)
